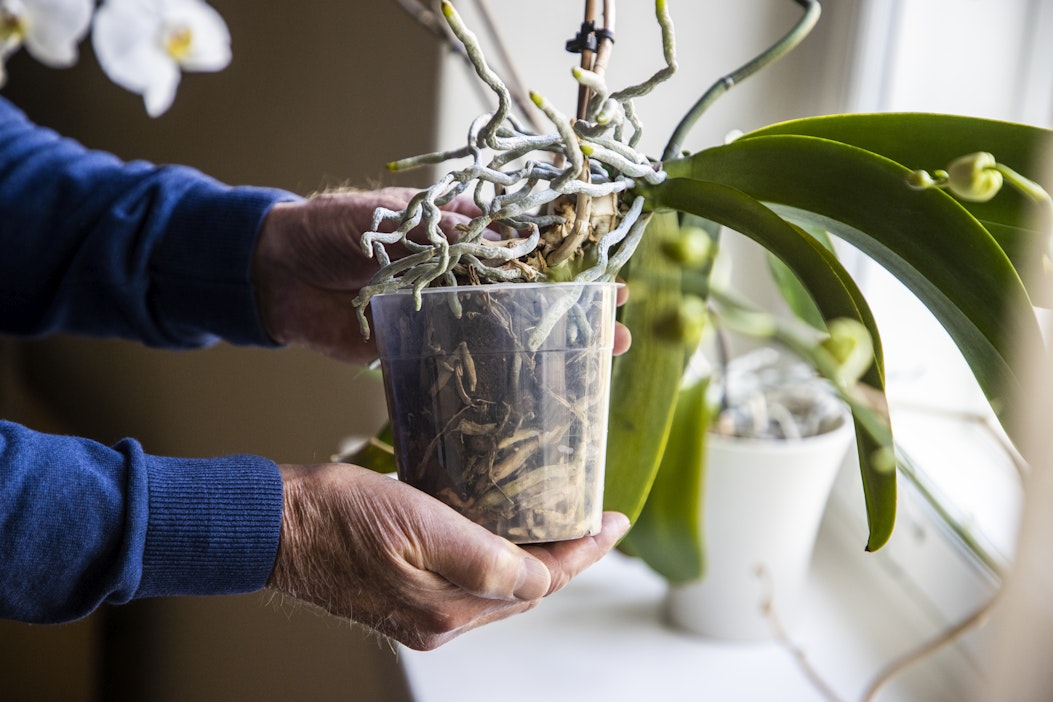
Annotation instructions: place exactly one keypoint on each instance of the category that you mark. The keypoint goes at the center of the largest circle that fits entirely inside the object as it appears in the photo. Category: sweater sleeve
(82, 524)
(161, 254)
(93, 245)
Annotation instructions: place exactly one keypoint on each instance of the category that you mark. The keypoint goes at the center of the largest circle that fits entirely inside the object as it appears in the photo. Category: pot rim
(504, 286)
(834, 435)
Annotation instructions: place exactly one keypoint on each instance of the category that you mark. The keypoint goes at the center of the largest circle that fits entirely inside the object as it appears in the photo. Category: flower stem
(1028, 187)
(775, 52)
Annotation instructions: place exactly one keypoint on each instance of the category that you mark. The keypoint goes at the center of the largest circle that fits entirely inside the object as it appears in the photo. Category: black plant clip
(587, 38)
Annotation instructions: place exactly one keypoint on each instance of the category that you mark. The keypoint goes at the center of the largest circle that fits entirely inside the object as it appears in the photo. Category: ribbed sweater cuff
(213, 525)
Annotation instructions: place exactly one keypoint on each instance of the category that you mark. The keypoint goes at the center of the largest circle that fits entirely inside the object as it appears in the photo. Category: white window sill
(603, 638)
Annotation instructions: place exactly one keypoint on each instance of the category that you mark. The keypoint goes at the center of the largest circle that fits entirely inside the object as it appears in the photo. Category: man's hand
(309, 266)
(377, 551)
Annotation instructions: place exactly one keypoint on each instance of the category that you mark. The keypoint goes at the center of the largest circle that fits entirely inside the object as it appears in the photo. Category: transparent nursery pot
(498, 398)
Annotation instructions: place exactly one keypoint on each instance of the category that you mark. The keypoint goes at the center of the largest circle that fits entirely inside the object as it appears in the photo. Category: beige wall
(319, 94)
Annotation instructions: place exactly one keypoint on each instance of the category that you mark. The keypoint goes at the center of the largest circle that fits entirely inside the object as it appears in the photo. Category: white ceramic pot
(763, 501)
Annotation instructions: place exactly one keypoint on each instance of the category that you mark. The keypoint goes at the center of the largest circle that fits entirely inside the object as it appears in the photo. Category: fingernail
(618, 523)
(533, 580)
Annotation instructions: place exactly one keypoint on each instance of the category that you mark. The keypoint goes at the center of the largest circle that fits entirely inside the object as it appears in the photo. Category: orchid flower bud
(686, 324)
(691, 247)
(733, 136)
(883, 460)
(974, 177)
(851, 347)
(920, 180)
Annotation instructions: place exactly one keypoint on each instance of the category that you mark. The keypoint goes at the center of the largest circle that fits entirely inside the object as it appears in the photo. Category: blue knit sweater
(93, 245)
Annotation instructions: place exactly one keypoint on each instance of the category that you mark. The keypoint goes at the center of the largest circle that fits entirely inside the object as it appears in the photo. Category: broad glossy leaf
(668, 534)
(932, 141)
(790, 289)
(831, 287)
(925, 238)
(645, 380)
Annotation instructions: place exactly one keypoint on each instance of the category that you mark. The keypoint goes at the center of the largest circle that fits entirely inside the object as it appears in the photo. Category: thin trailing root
(617, 236)
(517, 178)
(663, 74)
(482, 68)
(571, 147)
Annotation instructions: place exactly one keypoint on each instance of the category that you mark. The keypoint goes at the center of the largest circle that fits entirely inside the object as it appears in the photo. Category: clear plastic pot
(498, 400)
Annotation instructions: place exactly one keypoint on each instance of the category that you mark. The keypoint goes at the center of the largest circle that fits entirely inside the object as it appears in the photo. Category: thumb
(487, 565)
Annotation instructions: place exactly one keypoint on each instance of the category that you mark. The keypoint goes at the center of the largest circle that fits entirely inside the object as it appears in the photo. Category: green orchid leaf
(668, 535)
(1019, 245)
(794, 294)
(931, 141)
(792, 291)
(925, 238)
(830, 286)
(645, 380)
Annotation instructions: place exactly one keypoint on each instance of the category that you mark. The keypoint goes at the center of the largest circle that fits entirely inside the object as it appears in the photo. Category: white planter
(763, 501)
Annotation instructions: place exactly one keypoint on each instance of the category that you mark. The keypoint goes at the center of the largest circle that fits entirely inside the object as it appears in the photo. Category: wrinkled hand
(309, 266)
(367, 547)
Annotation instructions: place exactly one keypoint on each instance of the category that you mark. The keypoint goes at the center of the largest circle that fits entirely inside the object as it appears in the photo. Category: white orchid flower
(50, 29)
(143, 45)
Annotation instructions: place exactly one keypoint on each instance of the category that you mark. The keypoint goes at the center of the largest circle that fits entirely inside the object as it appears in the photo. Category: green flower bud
(851, 347)
(686, 324)
(733, 136)
(883, 460)
(920, 180)
(689, 247)
(975, 177)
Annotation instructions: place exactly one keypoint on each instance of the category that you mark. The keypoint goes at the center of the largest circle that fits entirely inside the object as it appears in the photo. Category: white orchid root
(552, 204)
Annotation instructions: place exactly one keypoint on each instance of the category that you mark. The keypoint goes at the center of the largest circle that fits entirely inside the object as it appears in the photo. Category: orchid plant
(142, 45)
(919, 193)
